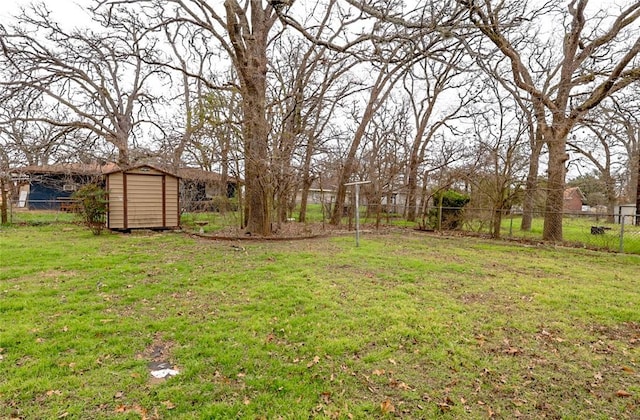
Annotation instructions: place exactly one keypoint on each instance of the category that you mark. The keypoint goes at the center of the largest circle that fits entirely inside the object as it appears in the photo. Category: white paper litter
(163, 373)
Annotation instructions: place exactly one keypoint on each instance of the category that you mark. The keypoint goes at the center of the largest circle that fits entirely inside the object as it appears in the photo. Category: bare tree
(391, 68)
(499, 129)
(426, 84)
(595, 60)
(384, 158)
(95, 79)
(310, 82)
(598, 147)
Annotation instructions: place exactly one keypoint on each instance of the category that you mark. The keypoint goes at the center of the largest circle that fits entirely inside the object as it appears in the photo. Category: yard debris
(387, 407)
(622, 393)
(315, 361)
(161, 370)
(168, 405)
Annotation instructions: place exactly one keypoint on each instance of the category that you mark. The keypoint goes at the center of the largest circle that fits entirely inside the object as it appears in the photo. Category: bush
(221, 203)
(452, 203)
(92, 202)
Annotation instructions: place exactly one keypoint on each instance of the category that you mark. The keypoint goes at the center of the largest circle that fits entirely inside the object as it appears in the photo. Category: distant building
(574, 200)
(49, 187)
(626, 213)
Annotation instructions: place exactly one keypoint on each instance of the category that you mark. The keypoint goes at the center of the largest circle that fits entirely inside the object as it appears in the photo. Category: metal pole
(357, 215)
(621, 232)
(357, 184)
(511, 226)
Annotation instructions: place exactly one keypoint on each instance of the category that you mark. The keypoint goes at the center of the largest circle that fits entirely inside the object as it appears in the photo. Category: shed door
(144, 201)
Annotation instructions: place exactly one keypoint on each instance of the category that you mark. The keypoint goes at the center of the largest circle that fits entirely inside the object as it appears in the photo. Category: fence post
(440, 214)
(621, 233)
(511, 225)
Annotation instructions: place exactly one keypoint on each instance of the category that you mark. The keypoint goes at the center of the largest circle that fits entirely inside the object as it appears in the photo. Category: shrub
(92, 202)
(452, 203)
(221, 203)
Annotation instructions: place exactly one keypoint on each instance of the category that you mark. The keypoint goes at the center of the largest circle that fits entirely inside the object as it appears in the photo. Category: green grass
(427, 326)
(40, 217)
(578, 231)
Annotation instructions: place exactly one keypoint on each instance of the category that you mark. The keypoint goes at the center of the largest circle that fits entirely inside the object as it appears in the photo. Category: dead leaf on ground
(622, 393)
(168, 405)
(315, 361)
(53, 392)
(135, 408)
(394, 383)
(387, 407)
(378, 372)
(326, 397)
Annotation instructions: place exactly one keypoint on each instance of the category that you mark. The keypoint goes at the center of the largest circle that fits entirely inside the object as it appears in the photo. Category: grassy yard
(408, 325)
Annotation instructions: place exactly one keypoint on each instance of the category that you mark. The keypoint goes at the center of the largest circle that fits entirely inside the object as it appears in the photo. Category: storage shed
(142, 197)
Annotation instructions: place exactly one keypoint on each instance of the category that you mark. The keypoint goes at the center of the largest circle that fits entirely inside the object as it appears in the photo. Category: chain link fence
(41, 212)
(613, 232)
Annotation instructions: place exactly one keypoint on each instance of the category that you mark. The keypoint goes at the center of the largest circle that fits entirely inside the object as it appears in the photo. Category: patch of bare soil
(628, 332)
(158, 357)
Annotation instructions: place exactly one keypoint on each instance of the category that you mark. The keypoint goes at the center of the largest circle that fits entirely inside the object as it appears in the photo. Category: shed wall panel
(172, 202)
(150, 199)
(116, 201)
(144, 201)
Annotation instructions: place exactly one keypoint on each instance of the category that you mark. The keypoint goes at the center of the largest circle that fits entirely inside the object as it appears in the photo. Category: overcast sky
(66, 11)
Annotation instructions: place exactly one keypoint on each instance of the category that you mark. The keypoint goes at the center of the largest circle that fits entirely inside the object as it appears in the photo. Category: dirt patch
(628, 332)
(159, 358)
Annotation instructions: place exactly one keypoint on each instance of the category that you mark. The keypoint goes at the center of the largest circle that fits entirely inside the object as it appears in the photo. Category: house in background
(49, 187)
(574, 201)
(204, 190)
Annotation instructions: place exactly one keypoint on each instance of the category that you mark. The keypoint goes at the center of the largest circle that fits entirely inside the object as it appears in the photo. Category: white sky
(67, 11)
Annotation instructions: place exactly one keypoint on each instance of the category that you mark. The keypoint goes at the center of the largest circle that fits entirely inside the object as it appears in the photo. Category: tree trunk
(554, 206)
(249, 38)
(412, 185)
(257, 174)
(638, 191)
(3, 210)
(612, 196)
(497, 222)
(307, 180)
(124, 160)
(531, 185)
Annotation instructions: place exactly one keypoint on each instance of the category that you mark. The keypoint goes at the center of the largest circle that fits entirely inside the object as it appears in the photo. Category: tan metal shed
(142, 197)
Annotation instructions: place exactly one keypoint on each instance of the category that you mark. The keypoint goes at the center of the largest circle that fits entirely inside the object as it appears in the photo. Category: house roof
(68, 168)
(145, 165)
(196, 174)
(111, 167)
(572, 192)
